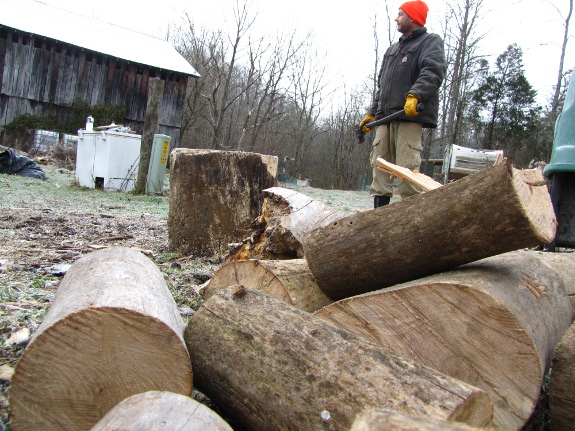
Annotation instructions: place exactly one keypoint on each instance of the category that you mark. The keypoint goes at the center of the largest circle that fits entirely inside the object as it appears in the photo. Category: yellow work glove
(368, 119)
(411, 105)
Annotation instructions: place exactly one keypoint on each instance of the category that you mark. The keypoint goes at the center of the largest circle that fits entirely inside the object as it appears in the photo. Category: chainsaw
(361, 136)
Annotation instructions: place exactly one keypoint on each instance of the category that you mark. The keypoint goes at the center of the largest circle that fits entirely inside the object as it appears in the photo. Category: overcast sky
(343, 30)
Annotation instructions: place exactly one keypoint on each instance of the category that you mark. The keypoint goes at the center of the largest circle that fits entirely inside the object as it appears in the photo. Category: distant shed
(50, 57)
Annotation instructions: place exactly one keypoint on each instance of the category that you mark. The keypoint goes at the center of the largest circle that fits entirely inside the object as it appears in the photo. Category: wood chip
(415, 177)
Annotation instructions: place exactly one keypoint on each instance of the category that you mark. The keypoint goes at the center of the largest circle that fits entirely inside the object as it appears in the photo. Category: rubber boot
(379, 201)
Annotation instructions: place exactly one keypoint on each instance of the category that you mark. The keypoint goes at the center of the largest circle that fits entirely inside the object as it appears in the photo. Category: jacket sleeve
(432, 68)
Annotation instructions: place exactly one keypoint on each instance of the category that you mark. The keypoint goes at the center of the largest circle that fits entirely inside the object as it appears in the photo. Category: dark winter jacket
(413, 65)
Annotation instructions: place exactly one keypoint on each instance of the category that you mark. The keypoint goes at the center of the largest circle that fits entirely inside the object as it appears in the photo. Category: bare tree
(560, 71)
(461, 22)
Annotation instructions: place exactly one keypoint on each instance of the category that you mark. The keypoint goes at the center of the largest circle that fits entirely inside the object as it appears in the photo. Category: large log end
(155, 410)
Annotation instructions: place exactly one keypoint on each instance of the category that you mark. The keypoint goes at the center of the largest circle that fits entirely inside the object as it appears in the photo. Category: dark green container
(563, 153)
(561, 172)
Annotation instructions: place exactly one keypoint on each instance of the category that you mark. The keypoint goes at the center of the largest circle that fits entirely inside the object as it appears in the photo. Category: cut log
(281, 368)
(214, 197)
(112, 331)
(158, 410)
(497, 210)
(375, 419)
(279, 230)
(562, 385)
(493, 324)
(287, 280)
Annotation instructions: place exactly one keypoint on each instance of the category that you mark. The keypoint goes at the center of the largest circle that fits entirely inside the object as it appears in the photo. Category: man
(411, 73)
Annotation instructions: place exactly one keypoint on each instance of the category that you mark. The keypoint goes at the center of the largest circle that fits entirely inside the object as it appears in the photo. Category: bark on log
(375, 419)
(563, 263)
(496, 210)
(159, 410)
(279, 230)
(280, 368)
(112, 331)
(562, 385)
(493, 324)
(287, 280)
(214, 197)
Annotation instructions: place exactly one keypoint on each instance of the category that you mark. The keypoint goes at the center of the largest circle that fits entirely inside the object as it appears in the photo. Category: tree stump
(287, 280)
(496, 210)
(492, 324)
(375, 419)
(562, 385)
(285, 219)
(281, 368)
(214, 197)
(157, 410)
(112, 331)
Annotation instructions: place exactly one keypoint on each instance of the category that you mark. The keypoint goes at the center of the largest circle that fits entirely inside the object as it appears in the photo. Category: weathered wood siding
(40, 75)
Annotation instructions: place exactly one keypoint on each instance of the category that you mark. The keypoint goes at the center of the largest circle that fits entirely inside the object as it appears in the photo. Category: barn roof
(35, 17)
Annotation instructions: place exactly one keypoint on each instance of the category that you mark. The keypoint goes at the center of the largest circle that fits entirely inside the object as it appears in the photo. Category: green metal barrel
(563, 152)
(561, 173)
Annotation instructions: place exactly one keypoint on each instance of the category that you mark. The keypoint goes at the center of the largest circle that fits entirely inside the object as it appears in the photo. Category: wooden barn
(50, 58)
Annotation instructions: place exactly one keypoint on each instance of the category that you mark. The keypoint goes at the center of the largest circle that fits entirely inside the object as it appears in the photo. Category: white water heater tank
(107, 160)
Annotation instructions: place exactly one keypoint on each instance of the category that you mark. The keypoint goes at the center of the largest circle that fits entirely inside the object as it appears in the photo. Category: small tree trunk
(496, 210)
(374, 419)
(151, 127)
(562, 386)
(492, 323)
(280, 368)
(155, 410)
(287, 280)
(112, 331)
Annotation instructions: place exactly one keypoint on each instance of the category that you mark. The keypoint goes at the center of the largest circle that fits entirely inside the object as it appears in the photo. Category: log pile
(440, 322)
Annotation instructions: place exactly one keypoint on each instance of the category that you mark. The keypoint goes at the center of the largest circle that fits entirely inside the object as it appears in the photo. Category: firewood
(285, 218)
(112, 331)
(158, 410)
(484, 214)
(492, 324)
(374, 419)
(271, 366)
(562, 384)
(287, 280)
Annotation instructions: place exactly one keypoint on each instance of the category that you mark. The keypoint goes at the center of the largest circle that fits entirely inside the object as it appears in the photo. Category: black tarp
(12, 163)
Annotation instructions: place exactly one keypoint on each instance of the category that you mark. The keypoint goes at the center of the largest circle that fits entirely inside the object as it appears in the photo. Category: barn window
(3, 33)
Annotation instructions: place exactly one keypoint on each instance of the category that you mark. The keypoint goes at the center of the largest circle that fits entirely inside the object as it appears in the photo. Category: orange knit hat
(416, 10)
